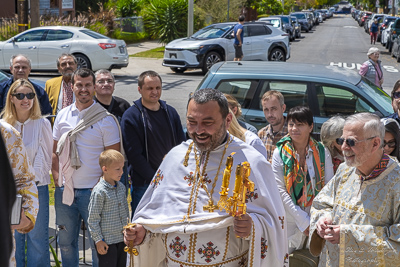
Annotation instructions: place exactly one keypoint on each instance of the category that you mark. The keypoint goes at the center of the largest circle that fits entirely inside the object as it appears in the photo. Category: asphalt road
(339, 41)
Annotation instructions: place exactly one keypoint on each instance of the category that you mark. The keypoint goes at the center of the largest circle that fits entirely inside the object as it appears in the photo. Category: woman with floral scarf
(302, 166)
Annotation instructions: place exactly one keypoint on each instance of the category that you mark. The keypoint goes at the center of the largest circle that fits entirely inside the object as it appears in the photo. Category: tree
(269, 7)
(212, 11)
(165, 20)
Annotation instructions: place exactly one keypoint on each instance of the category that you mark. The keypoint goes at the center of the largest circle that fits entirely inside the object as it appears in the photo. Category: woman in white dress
(22, 111)
(302, 167)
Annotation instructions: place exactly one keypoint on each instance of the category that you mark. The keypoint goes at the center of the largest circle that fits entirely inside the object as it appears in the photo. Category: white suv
(214, 43)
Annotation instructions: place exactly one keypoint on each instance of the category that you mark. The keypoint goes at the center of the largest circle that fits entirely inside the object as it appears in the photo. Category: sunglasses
(21, 96)
(396, 95)
(389, 144)
(350, 142)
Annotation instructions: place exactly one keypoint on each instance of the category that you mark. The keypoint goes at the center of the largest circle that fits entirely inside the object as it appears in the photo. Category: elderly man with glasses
(355, 218)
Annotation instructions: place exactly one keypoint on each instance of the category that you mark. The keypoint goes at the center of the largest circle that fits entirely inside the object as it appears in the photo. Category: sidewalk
(144, 46)
(52, 232)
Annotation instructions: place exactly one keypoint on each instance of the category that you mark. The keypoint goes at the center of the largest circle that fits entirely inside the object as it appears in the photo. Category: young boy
(108, 211)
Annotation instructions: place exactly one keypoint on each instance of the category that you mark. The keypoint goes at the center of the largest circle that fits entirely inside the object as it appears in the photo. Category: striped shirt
(108, 212)
(269, 138)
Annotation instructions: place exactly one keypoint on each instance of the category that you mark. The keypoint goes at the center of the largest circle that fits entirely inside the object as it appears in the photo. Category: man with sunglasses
(395, 94)
(20, 68)
(356, 215)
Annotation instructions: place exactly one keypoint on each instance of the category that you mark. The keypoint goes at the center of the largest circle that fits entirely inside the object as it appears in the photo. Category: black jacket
(134, 135)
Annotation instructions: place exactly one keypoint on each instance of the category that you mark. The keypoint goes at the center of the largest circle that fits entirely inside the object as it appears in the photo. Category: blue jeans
(68, 221)
(137, 194)
(37, 240)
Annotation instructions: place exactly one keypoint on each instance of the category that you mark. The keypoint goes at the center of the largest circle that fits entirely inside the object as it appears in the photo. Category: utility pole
(22, 15)
(190, 18)
(227, 18)
(35, 13)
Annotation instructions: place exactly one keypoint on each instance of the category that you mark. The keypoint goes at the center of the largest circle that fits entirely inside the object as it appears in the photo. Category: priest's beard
(214, 141)
(357, 160)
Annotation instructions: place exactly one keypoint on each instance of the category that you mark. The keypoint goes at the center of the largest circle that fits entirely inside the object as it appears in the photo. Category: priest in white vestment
(355, 219)
(178, 222)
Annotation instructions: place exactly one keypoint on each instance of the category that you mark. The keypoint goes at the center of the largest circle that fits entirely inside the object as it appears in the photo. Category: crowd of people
(337, 197)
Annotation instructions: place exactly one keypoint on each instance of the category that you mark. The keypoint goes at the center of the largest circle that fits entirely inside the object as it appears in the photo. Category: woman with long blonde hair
(22, 111)
(246, 136)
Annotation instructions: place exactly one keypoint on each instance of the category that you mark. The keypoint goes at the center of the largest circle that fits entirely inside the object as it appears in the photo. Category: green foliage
(53, 252)
(85, 6)
(212, 11)
(130, 37)
(269, 7)
(165, 20)
(128, 8)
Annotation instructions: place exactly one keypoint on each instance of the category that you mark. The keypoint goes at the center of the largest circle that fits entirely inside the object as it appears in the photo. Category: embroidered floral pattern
(286, 258)
(209, 252)
(177, 247)
(264, 248)
(205, 180)
(251, 195)
(157, 179)
(243, 262)
(189, 179)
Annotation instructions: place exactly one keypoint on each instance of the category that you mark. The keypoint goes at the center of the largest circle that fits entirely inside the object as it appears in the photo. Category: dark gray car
(303, 20)
(285, 24)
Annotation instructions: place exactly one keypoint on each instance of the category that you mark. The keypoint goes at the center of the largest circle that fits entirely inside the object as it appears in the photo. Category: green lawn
(153, 53)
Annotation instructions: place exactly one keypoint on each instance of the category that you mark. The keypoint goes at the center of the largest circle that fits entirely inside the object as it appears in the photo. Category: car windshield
(93, 34)
(375, 92)
(285, 19)
(275, 22)
(300, 16)
(215, 31)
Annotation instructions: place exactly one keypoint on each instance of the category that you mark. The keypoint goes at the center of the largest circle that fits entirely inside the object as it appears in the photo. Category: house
(9, 7)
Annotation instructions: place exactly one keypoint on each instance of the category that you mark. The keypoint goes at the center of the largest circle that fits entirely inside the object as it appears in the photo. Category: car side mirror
(13, 40)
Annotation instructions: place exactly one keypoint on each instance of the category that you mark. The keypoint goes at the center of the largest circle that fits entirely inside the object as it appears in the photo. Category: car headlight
(195, 50)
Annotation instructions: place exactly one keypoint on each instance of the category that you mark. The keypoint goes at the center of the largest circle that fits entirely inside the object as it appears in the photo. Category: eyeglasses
(351, 142)
(21, 96)
(391, 144)
(396, 95)
(109, 81)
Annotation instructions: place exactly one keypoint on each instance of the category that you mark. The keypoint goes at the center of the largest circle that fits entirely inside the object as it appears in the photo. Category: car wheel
(210, 59)
(308, 29)
(392, 52)
(178, 70)
(83, 61)
(277, 54)
(390, 47)
(387, 44)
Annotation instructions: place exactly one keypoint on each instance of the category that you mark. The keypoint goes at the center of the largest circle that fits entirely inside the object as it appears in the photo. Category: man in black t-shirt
(150, 129)
(104, 88)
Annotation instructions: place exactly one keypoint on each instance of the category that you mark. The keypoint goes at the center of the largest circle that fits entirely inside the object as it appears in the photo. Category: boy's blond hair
(109, 157)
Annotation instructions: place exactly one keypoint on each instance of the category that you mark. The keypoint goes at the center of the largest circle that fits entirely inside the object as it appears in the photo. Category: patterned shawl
(297, 183)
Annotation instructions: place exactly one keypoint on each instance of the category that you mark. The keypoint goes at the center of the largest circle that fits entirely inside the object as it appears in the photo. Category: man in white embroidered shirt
(179, 211)
(81, 132)
(355, 219)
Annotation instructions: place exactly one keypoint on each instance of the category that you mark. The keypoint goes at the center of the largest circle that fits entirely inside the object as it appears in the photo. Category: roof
(287, 69)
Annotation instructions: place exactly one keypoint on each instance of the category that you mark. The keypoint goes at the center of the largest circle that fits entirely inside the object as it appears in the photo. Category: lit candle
(238, 180)
(227, 172)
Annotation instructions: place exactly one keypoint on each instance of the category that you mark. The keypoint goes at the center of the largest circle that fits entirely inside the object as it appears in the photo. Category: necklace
(210, 207)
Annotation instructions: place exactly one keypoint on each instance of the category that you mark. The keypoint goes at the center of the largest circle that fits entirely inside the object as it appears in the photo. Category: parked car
(310, 18)
(393, 34)
(297, 26)
(327, 90)
(364, 17)
(395, 51)
(214, 43)
(303, 20)
(282, 22)
(383, 24)
(43, 45)
(374, 17)
(385, 33)
(4, 76)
